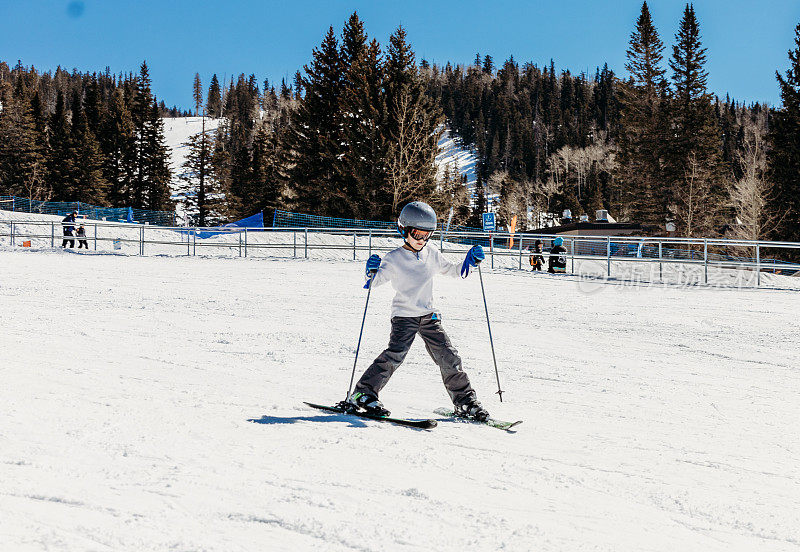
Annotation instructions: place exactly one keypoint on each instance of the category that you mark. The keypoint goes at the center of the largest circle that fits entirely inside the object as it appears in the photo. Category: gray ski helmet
(417, 215)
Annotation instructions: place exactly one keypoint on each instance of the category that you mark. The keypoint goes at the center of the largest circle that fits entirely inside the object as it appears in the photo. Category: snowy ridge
(656, 417)
(452, 154)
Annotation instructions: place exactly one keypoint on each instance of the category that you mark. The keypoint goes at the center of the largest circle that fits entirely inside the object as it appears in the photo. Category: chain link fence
(63, 208)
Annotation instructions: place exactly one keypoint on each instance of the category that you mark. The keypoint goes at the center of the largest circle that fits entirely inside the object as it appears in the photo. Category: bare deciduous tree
(751, 194)
(411, 158)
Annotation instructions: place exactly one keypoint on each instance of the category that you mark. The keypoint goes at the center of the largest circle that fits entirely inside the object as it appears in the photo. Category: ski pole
(491, 342)
(358, 347)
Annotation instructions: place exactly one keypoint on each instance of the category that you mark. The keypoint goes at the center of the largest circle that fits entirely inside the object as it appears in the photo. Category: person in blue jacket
(69, 229)
(411, 269)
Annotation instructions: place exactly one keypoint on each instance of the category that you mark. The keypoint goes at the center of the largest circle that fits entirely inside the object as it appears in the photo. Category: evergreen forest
(355, 133)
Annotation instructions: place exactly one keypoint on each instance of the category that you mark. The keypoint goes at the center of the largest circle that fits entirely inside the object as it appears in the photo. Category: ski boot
(368, 403)
(472, 410)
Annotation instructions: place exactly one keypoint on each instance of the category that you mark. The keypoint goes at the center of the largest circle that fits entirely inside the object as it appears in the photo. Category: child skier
(558, 257)
(411, 269)
(537, 260)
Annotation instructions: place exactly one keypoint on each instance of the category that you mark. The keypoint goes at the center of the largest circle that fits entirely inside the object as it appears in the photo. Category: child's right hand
(373, 263)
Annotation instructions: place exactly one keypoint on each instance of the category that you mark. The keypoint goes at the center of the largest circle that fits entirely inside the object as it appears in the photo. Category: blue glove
(474, 257)
(373, 264)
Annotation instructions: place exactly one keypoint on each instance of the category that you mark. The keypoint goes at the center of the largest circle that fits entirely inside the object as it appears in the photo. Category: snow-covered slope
(155, 403)
(453, 155)
(177, 132)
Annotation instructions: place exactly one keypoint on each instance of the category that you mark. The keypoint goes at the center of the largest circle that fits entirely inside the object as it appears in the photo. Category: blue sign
(488, 222)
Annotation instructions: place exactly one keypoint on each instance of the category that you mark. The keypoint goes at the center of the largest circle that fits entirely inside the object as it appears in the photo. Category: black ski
(499, 424)
(420, 424)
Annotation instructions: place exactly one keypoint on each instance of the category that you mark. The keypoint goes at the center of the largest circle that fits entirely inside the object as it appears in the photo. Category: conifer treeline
(355, 136)
(655, 148)
(78, 137)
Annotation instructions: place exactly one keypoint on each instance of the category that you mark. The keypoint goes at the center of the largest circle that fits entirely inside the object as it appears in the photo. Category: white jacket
(411, 275)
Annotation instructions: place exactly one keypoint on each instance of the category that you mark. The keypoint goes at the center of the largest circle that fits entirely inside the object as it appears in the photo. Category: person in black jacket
(82, 234)
(558, 257)
(69, 229)
(537, 260)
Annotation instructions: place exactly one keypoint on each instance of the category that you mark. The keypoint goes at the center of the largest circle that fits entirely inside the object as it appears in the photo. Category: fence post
(52, 234)
(705, 259)
(194, 242)
(572, 253)
(305, 244)
(240, 244)
(294, 237)
(188, 241)
(608, 254)
(245, 242)
(491, 247)
(660, 265)
(354, 245)
(12, 233)
(370, 242)
(520, 252)
(95, 236)
(758, 264)
(141, 240)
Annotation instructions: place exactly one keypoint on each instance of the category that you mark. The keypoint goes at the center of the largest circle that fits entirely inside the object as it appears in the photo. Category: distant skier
(82, 234)
(558, 257)
(411, 269)
(69, 229)
(537, 260)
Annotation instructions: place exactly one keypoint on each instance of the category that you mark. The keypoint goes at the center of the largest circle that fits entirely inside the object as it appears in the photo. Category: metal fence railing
(63, 208)
(510, 251)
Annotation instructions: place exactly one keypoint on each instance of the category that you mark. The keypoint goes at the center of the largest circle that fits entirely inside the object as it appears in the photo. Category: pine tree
(362, 165)
(642, 133)
(197, 94)
(488, 65)
(692, 155)
(268, 161)
(199, 191)
(314, 139)
(140, 112)
(21, 161)
(214, 101)
(90, 186)
(784, 157)
(61, 161)
(156, 158)
(118, 144)
(150, 185)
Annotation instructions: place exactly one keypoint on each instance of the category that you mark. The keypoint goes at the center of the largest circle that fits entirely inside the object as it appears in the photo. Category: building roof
(610, 227)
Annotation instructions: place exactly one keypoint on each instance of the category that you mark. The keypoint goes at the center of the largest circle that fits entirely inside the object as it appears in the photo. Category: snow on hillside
(155, 403)
(452, 154)
(177, 132)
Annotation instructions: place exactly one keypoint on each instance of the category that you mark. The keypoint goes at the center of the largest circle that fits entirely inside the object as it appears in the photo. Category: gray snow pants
(404, 330)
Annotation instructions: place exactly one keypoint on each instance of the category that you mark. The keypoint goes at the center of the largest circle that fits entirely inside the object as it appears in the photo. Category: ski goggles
(418, 234)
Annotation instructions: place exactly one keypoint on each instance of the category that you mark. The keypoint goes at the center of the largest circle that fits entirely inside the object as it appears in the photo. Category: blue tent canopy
(254, 221)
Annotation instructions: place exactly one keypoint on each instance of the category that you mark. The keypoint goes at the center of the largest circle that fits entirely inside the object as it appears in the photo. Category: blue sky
(746, 42)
